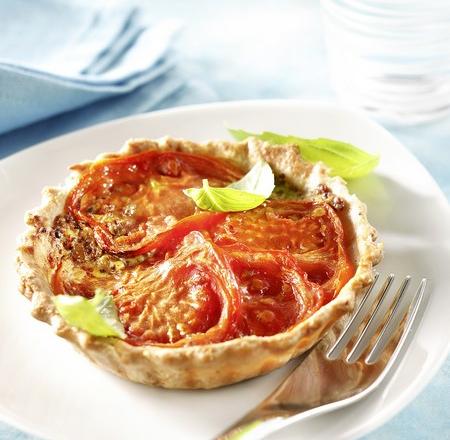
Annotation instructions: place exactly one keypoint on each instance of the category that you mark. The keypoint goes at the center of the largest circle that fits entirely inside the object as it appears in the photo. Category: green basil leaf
(98, 315)
(247, 193)
(344, 159)
(223, 199)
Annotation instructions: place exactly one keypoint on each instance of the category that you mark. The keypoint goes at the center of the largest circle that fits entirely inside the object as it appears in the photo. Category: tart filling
(182, 276)
(205, 298)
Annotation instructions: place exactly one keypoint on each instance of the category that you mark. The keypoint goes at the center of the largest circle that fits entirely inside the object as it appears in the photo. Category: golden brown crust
(211, 365)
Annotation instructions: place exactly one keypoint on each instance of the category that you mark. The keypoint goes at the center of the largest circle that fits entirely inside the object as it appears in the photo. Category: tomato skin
(202, 277)
(204, 298)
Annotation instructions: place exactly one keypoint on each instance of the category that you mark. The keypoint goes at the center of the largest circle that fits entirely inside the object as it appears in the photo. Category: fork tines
(387, 311)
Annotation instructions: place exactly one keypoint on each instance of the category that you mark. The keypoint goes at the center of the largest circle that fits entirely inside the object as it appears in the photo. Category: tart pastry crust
(214, 364)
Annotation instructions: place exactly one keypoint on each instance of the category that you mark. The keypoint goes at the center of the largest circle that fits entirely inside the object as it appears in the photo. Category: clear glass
(390, 57)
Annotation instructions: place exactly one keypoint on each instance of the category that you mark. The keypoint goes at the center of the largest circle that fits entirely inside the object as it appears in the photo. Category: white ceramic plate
(50, 390)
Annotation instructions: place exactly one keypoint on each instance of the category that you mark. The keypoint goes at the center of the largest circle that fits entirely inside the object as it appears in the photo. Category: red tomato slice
(129, 200)
(275, 291)
(189, 298)
(309, 230)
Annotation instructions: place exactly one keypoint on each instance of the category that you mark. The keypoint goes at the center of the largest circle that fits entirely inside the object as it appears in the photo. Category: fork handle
(257, 424)
(253, 429)
(269, 416)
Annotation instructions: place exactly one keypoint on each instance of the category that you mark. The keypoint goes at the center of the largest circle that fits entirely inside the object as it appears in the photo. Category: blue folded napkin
(56, 56)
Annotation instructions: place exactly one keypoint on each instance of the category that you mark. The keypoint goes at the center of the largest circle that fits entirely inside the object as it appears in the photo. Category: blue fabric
(56, 56)
(169, 90)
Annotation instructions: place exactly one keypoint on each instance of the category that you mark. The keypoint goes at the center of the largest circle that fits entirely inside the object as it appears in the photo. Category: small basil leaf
(98, 315)
(344, 159)
(247, 193)
(223, 199)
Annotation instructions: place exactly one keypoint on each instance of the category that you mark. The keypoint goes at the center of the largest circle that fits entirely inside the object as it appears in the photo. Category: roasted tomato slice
(166, 243)
(189, 298)
(128, 200)
(309, 230)
(296, 227)
(275, 291)
(69, 279)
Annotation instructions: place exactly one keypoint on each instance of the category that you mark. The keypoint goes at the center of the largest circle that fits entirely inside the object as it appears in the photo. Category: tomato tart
(205, 298)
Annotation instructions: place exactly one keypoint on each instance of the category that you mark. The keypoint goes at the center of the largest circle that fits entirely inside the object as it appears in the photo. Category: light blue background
(274, 49)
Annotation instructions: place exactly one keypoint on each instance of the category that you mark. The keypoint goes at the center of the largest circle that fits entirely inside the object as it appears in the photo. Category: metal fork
(341, 370)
